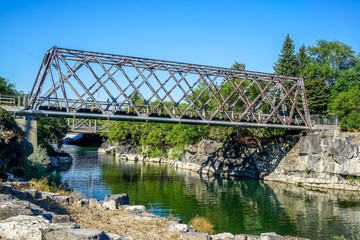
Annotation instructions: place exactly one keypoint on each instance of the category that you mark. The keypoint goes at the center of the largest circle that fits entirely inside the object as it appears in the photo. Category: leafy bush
(51, 130)
(7, 121)
(39, 156)
(202, 224)
(352, 121)
(6, 87)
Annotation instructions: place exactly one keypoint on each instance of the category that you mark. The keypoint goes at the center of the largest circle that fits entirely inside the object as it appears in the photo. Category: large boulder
(74, 234)
(115, 201)
(23, 227)
(107, 148)
(201, 151)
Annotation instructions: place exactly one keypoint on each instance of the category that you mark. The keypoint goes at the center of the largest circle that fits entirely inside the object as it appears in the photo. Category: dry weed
(202, 224)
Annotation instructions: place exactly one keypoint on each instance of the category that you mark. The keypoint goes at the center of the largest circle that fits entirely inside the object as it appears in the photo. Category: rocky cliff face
(14, 150)
(253, 159)
(322, 159)
(319, 159)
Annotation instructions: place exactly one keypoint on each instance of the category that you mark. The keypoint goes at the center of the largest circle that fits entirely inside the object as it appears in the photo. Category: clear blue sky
(205, 32)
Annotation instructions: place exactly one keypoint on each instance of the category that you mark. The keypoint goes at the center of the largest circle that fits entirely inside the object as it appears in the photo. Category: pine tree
(303, 60)
(287, 63)
(316, 90)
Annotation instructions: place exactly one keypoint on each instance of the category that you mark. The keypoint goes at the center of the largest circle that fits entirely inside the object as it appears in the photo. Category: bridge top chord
(75, 83)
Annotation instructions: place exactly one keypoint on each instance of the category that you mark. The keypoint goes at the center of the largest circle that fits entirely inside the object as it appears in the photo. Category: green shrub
(39, 156)
(7, 122)
(351, 121)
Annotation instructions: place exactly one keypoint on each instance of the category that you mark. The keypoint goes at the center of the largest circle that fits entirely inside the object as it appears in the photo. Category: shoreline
(310, 180)
(45, 215)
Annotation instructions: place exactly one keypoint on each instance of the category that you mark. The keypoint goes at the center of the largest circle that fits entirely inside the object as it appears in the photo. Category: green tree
(346, 105)
(7, 122)
(317, 92)
(287, 63)
(330, 70)
(51, 130)
(334, 59)
(238, 66)
(303, 59)
(6, 87)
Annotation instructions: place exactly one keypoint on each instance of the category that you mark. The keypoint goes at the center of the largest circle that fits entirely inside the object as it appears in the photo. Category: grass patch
(202, 224)
(52, 183)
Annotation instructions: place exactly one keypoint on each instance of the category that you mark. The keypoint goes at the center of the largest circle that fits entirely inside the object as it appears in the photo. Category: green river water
(232, 205)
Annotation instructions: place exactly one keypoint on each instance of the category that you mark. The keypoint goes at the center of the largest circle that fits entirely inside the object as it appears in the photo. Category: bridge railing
(317, 119)
(77, 125)
(10, 100)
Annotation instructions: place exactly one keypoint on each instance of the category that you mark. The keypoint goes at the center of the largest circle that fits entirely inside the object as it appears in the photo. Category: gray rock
(240, 237)
(195, 236)
(136, 209)
(5, 197)
(83, 203)
(23, 227)
(5, 189)
(270, 236)
(61, 218)
(32, 193)
(76, 234)
(294, 238)
(14, 207)
(253, 237)
(54, 162)
(113, 236)
(303, 146)
(315, 143)
(107, 148)
(47, 195)
(65, 225)
(62, 199)
(177, 227)
(19, 194)
(222, 236)
(115, 201)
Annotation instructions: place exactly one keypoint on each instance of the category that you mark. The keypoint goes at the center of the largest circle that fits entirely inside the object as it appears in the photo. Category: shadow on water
(233, 205)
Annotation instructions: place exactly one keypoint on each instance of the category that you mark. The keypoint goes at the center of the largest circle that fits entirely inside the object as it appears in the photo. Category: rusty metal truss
(82, 84)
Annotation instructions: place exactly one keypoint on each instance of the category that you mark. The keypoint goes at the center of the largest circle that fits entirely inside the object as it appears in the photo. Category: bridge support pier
(29, 125)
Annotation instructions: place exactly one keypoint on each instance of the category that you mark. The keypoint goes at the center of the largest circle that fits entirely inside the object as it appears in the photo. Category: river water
(232, 205)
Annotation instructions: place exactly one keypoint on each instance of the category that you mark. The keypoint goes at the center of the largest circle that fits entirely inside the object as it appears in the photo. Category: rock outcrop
(14, 150)
(237, 158)
(322, 159)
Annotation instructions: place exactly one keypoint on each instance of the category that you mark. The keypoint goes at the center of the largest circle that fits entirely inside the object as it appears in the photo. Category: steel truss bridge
(89, 85)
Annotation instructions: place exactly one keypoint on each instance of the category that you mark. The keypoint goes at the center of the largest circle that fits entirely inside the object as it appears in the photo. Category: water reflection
(320, 213)
(233, 205)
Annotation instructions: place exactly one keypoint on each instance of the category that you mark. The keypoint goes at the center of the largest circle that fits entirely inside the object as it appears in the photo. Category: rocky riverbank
(325, 159)
(31, 214)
